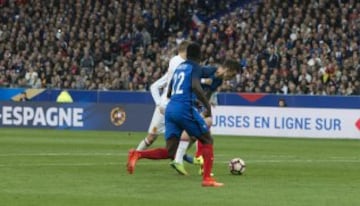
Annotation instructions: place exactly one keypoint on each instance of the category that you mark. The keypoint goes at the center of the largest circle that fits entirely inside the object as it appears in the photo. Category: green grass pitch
(55, 167)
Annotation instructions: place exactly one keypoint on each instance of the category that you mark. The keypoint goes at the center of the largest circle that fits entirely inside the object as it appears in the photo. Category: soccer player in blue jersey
(212, 78)
(181, 114)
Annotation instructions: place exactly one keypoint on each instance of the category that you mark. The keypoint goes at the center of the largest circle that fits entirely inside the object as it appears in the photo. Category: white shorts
(157, 124)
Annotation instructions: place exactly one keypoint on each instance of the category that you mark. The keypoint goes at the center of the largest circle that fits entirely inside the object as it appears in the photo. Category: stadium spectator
(296, 47)
(282, 103)
(23, 97)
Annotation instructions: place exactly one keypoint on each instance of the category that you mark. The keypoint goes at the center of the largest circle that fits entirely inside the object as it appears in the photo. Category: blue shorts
(184, 118)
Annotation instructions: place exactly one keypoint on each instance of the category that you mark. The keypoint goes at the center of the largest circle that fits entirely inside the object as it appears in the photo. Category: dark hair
(232, 65)
(282, 100)
(193, 52)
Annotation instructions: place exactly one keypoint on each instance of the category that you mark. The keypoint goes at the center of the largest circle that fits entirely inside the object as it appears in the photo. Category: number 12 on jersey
(178, 80)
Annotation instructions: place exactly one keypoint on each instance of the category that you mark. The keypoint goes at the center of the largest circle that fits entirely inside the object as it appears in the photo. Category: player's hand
(162, 106)
(207, 81)
(207, 113)
(162, 110)
(208, 121)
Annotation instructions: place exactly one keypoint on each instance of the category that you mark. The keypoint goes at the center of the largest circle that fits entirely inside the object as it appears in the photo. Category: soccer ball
(237, 166)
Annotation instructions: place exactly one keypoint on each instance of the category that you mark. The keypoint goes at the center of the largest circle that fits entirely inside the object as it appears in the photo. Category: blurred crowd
(284, 47)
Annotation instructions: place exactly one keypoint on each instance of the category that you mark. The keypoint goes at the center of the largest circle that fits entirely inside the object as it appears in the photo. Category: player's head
(193, 52)
(182, 48)
(228, 69)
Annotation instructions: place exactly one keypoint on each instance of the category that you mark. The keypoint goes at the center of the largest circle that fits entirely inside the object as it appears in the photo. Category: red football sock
(199, 149)
(158, 153)
(208, 154)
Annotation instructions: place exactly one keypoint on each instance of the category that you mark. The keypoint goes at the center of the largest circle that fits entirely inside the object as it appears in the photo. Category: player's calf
(147, 142)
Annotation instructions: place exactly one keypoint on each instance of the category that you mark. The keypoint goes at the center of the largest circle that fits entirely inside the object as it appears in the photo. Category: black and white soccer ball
(237, 166)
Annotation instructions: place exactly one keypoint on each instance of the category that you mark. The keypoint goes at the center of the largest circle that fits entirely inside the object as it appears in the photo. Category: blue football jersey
(180, 113)
(181, 82)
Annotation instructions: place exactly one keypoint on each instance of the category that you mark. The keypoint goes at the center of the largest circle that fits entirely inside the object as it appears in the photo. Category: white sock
(143, 145)
(181, 150)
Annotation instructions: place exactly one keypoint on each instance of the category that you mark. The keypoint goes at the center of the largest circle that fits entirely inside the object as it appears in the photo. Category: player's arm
(207, 79)
(156, 86)
(200, 94)
(168, 95)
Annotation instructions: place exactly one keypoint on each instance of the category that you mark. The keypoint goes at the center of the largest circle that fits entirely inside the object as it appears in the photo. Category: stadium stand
(288, 47)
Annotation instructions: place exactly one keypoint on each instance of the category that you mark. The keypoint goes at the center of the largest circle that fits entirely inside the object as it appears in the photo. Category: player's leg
(147, 141)
(172, 144)
(185, 140)
(155, 154)
(135, 155)
(199, 148)
(198, 128)
(185, 143)
(157, 126)
(174, 131)
(199, 145)
(171, 134)
(183, 146)
(208, 155)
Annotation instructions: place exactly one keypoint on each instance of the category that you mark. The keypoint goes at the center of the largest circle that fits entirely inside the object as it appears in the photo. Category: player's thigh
(157, 124)
(173, 128)
(194, 124)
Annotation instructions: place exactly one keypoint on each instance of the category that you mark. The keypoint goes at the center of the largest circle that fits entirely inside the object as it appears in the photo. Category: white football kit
(157, 124)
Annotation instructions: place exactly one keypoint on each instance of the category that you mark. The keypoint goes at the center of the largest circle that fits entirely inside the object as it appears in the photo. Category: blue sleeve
(208, 71)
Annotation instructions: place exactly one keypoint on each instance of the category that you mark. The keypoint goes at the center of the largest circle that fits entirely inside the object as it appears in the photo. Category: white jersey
(157, 124)
(164, 81)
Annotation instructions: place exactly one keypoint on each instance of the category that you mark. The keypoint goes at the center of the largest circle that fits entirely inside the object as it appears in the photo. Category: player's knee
(185, 136)
(206, 139)
(209, 141)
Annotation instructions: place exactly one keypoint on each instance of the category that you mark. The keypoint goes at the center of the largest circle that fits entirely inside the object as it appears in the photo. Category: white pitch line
(61, 154)
(152, 163)
(263, 158)
(59, 164)
(306, 160)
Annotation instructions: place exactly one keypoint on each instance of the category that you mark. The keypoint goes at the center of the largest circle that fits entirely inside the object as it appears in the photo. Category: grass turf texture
(52, 167)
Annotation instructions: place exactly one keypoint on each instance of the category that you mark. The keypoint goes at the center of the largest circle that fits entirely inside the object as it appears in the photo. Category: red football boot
(211, 182)
(132, 158)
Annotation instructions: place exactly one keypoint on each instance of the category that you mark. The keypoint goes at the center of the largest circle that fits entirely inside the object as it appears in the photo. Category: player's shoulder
(191, 64)
(175, 62)
(176, 59)
(195, 68)
(208, 70)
